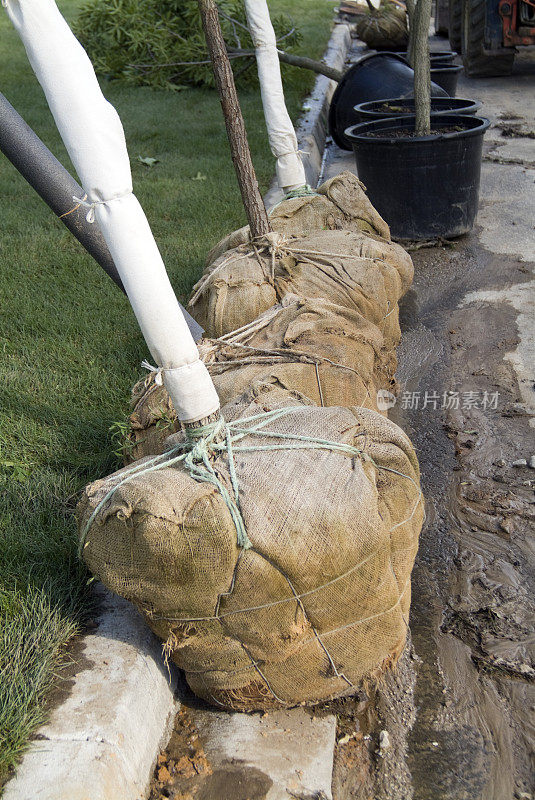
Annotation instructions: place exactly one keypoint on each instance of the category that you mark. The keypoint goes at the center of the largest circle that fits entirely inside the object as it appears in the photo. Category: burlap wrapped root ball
(383, 27)
(340, 203)
(317, 600)
(349, 268)
(329, 354)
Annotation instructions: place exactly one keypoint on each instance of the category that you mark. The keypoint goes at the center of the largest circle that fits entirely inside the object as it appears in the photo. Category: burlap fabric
(152, 420)
(340, 203)
(352, 269)
(384, 27)
(318, 602)
(330, 354)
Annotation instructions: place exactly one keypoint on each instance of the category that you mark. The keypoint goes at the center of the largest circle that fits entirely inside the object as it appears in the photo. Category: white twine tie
(158, 379)
(90, 216)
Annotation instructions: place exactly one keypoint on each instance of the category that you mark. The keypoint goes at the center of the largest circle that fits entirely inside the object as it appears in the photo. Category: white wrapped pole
(281, 133)
(94, 137)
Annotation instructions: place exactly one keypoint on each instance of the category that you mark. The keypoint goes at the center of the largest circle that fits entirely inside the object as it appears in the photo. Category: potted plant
(422, 172)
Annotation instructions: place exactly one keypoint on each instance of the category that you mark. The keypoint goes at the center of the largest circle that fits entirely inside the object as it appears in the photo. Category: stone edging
(101, 743)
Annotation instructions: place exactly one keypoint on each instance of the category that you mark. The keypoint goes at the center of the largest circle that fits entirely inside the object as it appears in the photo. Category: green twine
(302, 191)
(205, 442)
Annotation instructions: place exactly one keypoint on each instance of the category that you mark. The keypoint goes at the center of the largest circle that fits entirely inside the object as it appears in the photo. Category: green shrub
(161, 43)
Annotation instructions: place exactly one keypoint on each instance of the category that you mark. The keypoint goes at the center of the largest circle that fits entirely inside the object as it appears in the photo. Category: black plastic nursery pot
(372, 77)
(403, 106)
(442, 57)
(447, 76)
(436, 57)
(425, 187)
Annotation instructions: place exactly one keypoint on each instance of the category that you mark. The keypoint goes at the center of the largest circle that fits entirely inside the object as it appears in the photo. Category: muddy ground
(459, 711)
(456, 719)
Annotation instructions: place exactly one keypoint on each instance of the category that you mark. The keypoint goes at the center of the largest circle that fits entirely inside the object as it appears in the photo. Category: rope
(156, 371)
(302, 191)
(90, 216)
(204, 444)
(277, 247)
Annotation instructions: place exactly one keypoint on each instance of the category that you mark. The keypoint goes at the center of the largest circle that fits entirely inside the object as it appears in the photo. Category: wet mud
(459, 709)
(185, 770)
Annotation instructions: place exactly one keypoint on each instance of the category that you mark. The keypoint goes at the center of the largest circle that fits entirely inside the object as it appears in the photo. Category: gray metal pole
(54, 184)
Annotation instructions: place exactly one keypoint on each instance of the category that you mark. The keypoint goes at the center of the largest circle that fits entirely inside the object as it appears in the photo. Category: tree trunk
(237, 135)
(422, 70)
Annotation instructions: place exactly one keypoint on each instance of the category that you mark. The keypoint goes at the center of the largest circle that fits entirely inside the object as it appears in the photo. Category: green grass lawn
(71, 349)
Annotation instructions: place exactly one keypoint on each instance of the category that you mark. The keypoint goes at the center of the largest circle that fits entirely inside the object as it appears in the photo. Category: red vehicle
(487, 32)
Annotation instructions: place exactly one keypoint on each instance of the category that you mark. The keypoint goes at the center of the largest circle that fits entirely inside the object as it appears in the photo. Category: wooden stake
(237, 135)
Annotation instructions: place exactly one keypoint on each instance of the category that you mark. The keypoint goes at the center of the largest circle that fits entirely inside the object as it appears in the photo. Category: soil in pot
(425, 187)
(403, 134)
(400, 106)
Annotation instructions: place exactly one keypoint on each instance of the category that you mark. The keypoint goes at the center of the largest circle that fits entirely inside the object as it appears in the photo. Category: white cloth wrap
(94, 137)
(281, 133)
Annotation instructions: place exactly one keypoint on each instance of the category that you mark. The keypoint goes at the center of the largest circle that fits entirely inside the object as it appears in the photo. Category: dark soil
(516, 132)
(405, 134)
(390, 108)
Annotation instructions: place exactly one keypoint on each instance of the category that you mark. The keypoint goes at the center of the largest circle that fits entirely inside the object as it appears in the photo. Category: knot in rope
(204, 441)
(90, 216)
(157, 371)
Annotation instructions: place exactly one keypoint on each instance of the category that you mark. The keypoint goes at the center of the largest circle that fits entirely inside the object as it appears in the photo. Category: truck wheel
(476, 63)
(455, 24)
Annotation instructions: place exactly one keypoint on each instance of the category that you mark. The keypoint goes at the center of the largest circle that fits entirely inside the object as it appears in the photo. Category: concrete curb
(313, 130)
(102, 742)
